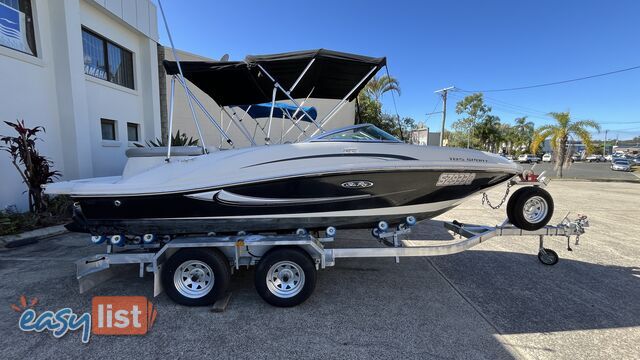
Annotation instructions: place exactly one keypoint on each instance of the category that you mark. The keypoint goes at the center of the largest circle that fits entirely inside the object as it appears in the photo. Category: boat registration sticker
(453, 179)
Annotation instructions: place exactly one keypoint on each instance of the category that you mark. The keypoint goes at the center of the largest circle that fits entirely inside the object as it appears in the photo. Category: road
(495, 301)
(587, 171)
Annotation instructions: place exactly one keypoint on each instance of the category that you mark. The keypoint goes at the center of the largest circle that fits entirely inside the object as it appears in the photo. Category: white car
(546, 157)
(528, 158)
(621, 165)
(596, 158)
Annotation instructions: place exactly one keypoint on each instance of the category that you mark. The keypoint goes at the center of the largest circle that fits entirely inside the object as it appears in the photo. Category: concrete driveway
(493, 302)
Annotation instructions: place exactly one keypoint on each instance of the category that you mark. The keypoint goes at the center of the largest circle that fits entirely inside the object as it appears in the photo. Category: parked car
(511, 157)
(621, 165)
(595, 158)
(528, 158)
(547, 157)
(636, 161)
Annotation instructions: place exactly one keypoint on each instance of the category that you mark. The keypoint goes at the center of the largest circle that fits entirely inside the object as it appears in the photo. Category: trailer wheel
(548, 256)
(530, 208)
(285, 277)
(196, 277)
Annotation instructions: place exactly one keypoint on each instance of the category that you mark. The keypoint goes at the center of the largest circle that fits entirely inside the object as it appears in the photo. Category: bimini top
(332, 75)
(258, 111)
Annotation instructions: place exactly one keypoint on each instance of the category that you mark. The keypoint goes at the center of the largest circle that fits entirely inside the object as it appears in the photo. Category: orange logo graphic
(122, 315)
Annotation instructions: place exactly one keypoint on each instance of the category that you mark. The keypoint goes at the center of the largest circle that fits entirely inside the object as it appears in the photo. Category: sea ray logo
(357, 184)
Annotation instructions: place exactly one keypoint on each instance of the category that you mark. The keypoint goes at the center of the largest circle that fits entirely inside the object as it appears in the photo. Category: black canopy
(332, 75)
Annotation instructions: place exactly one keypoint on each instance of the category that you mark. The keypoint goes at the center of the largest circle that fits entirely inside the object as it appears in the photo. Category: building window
(108, 129)
(133, 133)
(16, 26)
(106, 60)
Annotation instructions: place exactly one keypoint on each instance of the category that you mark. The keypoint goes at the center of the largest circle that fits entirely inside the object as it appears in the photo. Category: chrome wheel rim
(535, 209)
(285, 279)
(194, 279)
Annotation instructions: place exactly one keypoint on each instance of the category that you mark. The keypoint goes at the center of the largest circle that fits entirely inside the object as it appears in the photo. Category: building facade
(87, 71)
(183, 120)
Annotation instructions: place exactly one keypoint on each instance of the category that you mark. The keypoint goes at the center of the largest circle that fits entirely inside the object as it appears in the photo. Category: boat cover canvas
(332, 76)
(280, 110)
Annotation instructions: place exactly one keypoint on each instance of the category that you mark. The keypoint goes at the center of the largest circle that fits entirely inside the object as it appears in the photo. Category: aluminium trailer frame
(246, 250)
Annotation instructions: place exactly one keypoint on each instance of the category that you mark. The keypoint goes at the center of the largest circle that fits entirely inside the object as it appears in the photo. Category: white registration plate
(452, 179)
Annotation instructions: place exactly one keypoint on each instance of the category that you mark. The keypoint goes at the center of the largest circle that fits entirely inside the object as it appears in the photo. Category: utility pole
(443, 93)
(604, 146)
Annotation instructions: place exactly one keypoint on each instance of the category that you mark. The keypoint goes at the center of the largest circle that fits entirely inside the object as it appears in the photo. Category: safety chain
(485, 197)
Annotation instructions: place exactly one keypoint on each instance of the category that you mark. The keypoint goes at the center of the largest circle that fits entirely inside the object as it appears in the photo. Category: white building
(86, 70)
(183, 120)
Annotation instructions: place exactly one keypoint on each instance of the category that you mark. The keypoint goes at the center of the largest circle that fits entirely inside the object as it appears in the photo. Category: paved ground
(588, 171)
(493, 302)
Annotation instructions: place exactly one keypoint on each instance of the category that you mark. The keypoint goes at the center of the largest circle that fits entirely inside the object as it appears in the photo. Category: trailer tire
(196, 277)
(530, 208)
(285, 277)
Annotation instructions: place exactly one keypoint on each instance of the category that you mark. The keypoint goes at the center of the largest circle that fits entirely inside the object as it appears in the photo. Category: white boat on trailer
(191, 217)
(196, 270)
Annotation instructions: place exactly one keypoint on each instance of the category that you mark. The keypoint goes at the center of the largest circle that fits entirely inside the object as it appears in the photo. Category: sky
(429, 45)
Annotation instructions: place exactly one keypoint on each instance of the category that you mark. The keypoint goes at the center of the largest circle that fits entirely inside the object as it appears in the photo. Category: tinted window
(108, 128)
(106, 60)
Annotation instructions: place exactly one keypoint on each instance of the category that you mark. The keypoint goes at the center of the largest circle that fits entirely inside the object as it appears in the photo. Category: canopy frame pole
(339, 106)
(240, 119)
(288, 115)
(214, 122)
(182, 81)
(302, 117)
(240, 126)
(193, 114)
(302, 74)
(209, 116)
(171, 102)
(219, 133)
(287, 94)
(273, 105)
(282, 133)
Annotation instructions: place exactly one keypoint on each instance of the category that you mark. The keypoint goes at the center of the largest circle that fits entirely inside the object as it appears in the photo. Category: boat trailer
(246, 250)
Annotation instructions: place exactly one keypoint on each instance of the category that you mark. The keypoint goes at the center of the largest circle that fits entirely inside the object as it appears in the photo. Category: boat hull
(313, 202)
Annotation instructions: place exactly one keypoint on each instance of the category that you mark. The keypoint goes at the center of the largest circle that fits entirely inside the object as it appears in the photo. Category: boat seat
(162, 151)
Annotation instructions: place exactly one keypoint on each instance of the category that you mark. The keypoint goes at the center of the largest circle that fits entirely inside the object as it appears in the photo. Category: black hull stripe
(372, 155)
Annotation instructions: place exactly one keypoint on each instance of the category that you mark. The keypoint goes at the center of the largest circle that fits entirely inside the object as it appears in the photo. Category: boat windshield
(364, 133)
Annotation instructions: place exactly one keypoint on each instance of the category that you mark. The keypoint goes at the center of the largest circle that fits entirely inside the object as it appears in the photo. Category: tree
(560, 133)
(368, 111)
(523, 132)
(474, 107)
(370, 108)
(508, 136)
(376, 87)
(488, 132)
(35, 169)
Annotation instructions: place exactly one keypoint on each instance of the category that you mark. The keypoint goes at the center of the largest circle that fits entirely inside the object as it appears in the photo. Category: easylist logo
(110, 315)
(122, 315)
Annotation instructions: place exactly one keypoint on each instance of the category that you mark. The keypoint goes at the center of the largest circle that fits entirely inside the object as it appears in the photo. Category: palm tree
(560, 133)
(523, 131)
(380, 85)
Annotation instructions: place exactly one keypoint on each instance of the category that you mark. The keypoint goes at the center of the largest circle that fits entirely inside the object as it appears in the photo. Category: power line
(621, 122)
(519, 107)
(512, 111)
(560, 82)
